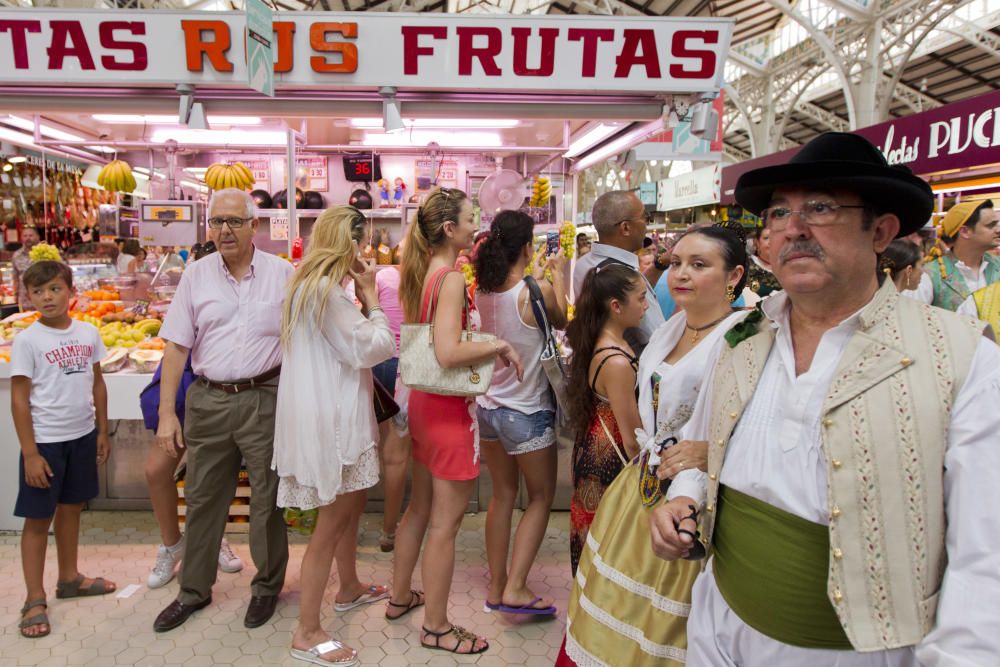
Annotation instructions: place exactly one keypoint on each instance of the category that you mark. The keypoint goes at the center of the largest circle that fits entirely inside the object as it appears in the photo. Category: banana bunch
(116, 176)
(567, 238)
(540, 191)
(235, 175)
(44, 252)
(150, 327)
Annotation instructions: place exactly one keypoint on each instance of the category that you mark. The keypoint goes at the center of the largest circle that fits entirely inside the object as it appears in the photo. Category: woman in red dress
(443, 428)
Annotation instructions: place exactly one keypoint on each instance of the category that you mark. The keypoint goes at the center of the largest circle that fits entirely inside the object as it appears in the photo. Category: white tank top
(500, 316)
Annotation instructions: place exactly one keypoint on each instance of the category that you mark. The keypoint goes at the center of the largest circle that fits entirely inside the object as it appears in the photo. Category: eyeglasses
(813, 213)
(644, 217)
(231, 222)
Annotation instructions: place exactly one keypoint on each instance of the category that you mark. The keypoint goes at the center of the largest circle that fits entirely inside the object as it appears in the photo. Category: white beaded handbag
(418, 365)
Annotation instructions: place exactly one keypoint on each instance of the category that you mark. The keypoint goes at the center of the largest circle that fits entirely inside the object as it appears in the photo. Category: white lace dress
(326, 435)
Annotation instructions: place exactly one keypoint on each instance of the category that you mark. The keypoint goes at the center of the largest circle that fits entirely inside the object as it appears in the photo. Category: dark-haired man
(21, 261)
(971, 229)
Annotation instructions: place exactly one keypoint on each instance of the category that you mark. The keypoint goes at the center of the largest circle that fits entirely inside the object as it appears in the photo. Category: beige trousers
(220, 431)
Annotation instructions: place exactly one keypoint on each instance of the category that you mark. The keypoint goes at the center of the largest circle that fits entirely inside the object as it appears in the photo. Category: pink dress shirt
(232, 328)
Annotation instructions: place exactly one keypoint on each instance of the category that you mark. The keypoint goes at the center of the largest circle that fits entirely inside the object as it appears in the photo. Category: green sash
(771, 568)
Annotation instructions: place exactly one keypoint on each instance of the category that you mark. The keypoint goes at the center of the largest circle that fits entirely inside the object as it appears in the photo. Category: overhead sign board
(417, 51)
(260, 52)
(700, 187)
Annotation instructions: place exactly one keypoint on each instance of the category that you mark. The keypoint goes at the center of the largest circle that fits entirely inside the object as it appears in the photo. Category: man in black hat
(849, 507)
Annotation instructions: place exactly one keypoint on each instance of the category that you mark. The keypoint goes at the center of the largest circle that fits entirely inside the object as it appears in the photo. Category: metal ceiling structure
(797, 68)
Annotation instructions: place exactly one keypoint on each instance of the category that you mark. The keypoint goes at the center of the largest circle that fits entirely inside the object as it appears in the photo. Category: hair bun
(734, 227)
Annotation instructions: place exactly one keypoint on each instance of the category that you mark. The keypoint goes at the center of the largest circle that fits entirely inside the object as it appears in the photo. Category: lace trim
(623, 629)
(578, 654)
(631, 585)
(474, 427)
(546, 439)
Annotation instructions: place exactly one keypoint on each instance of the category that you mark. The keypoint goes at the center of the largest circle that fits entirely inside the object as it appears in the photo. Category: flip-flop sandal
(491, 606)
(37, 619)
(314, 655)
(71, 589)
(416, 600)
(370, 595)
(529, 609)
(461, 634)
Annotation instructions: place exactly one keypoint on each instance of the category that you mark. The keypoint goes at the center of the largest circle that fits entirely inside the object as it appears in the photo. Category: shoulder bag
(419, 367)
(552, 364)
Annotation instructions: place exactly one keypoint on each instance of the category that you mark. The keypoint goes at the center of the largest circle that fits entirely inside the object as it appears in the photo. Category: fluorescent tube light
(622, 143)
(46, 130)
(590, 136)
(480, 123)
(138, 119)
(444, 139)
(220, 137)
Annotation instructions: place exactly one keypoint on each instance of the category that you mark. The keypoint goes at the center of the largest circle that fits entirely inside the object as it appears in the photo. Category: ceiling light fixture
(425, 137)
(44, 129)
(8, 167)
(392, 117)
(590, 136)
(138, 119)
(623, 143)
(442, 123)
(220, 137)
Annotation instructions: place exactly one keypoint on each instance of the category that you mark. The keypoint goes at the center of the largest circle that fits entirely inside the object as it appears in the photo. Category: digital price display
(364, 167)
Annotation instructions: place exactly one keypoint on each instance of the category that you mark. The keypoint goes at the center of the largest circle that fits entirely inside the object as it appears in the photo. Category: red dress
(444, 428)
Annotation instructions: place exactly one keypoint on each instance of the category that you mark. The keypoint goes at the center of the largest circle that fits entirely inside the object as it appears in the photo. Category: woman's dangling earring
(730, 293)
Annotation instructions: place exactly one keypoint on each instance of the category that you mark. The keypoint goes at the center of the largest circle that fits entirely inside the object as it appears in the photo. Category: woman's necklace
(696, 331)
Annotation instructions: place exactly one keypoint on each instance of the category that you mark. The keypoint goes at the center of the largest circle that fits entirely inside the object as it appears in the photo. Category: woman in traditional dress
(325, 451)
(601, 389)
(627, 606)
(900, 263)
(762, 281)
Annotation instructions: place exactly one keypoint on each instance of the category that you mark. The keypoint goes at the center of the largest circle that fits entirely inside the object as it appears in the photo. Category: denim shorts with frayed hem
(518, 432)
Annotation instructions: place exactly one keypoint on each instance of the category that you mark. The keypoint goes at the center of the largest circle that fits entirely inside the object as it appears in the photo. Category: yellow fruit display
(541, 190)
(116, 176)
(220, 176)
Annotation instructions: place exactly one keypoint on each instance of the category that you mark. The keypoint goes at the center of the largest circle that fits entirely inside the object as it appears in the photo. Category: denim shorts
(385, 373)
(519, 433)
(73, 481)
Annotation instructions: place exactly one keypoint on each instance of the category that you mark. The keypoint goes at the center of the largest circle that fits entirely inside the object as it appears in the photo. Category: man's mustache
(801, 248)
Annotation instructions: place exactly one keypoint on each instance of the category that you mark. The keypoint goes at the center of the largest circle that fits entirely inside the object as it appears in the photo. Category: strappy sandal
(416, 600)
(697, 550)
(461, 634)
(72, 589)
(38, 619)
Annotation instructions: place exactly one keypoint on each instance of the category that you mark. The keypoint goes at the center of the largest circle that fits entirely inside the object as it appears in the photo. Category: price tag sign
(141, 307)
(279, 229)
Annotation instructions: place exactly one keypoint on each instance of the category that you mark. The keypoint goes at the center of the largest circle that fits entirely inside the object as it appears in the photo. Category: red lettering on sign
(629, 56)
(548, 54)
(485, 54)
(590, 38)
(348, 52)
(197, 49)
(679, 49)
(19, 39)
(68, 41)
(140, 59)
(283, 32)
(411, 44)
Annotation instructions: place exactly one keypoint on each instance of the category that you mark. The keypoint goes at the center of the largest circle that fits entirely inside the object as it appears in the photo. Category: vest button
(732, 415)
(838, 554)
(836, 464)
(720, 443)
(713, 477)
(827, 423)
(835, 512)
(837, 595)
(905, 361)
(710, 508)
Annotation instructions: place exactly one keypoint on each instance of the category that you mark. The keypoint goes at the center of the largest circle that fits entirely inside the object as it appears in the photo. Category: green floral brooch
(748, 327)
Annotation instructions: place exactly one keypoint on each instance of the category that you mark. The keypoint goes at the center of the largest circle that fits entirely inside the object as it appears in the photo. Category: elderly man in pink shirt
(227, 312)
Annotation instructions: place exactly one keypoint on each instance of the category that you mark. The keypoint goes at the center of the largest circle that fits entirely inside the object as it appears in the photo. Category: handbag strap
(614, 443)
(439, 278)
(538, 308)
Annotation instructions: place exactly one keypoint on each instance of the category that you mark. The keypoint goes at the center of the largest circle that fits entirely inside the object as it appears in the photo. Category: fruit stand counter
(129, 440)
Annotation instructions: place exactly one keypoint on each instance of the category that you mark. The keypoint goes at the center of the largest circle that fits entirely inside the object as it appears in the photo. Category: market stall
(367, 108)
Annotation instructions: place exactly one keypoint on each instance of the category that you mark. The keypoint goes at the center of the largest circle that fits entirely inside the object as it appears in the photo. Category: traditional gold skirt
(627, 606)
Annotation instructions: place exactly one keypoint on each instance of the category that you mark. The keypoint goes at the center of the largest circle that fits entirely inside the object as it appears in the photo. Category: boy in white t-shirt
(57, 395)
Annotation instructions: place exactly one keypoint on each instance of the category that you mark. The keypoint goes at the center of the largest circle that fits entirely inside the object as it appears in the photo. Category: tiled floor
(114, 631)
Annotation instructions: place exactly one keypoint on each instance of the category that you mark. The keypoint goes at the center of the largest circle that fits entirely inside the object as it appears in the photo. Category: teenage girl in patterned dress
(602, 389)
(443, 428)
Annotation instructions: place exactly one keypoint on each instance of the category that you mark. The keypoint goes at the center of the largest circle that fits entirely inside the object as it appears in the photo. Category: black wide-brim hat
(838, 160)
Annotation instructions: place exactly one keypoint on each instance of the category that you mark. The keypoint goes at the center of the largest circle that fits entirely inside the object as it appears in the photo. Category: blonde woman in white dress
(325, 429)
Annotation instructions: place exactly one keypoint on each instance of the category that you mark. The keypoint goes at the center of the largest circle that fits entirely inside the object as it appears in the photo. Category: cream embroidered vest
(885, 429)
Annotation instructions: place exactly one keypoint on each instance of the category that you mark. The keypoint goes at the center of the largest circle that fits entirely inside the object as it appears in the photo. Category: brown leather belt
(243, 385)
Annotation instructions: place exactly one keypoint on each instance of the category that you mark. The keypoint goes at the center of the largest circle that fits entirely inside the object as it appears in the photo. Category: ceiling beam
(821, 115)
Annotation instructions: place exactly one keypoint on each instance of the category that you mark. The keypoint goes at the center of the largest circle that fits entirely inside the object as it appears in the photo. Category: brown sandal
(37, 619)
(72, 589)
(461, 634)
(416, 600)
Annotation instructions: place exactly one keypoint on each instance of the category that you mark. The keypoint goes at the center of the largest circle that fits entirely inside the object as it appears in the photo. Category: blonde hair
(328, 259)
(443, 205)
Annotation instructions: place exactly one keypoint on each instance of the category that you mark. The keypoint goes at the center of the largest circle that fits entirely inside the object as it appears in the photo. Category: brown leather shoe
(260, 610)
(176, 613)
